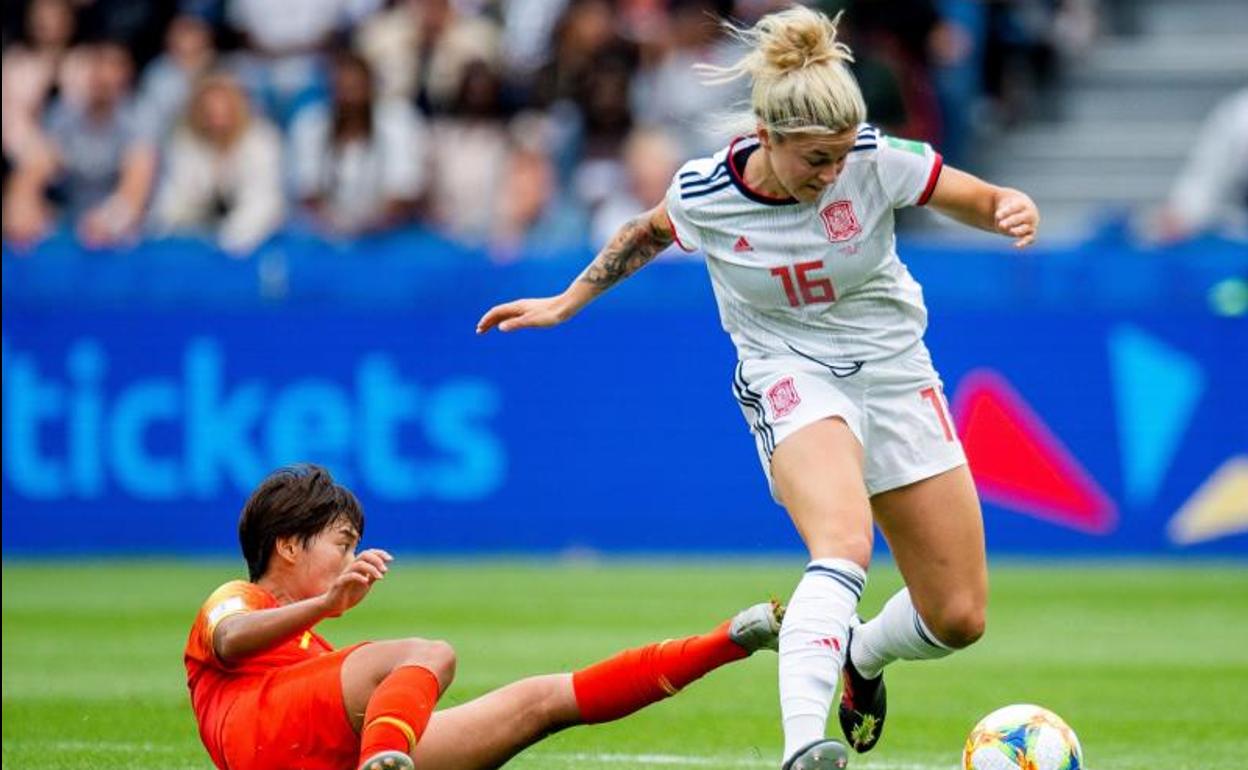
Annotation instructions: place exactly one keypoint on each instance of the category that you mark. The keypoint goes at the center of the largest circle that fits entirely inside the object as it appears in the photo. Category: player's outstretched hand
(1017, 217)
(524, 313)
(350, 587)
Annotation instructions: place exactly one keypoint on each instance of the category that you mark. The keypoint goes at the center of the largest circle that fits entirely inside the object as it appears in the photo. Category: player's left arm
(244, 633)
(972, 201)
(634, 245)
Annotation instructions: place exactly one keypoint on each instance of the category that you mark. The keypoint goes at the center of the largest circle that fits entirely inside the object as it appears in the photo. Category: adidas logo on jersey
(742, 245)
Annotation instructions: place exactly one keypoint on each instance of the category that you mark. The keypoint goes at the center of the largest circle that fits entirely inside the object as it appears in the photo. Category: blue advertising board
(142, 431)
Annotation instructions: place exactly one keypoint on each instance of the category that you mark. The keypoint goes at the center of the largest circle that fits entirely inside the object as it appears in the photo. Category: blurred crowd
(518, 125)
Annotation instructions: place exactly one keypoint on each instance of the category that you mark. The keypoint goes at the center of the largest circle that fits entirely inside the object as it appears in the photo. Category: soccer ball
(1022, 737)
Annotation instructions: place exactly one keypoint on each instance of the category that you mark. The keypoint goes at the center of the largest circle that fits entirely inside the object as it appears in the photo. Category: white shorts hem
(912, 475)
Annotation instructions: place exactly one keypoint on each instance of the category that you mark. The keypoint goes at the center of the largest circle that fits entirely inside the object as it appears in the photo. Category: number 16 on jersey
(803, 289)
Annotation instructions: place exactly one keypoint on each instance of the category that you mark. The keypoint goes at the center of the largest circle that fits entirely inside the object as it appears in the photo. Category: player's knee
(436, 655)
(550, 707)
(960, 625)
(444, 654)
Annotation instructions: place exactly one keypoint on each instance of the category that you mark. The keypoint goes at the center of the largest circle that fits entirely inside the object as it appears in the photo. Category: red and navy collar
(739, 151)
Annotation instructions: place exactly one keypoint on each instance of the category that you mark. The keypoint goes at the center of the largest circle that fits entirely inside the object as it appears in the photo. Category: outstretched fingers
(498, 314)
(522, 314)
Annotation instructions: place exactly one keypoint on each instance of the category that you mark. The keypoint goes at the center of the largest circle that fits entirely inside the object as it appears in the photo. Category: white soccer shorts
(895, 407)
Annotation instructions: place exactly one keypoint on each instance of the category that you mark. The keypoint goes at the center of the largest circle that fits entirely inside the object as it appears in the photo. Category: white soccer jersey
(818, 279)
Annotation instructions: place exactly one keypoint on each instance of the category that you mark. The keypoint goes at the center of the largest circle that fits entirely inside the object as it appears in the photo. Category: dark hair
(346, 60)
(295, 501)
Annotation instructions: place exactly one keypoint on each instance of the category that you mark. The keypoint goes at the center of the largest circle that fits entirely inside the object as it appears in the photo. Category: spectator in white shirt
(223, 173)
(471, 158)
(358, 162)
(417, 48)
(1211, 192)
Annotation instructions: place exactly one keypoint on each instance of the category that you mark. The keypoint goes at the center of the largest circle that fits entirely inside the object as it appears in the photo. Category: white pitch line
(111, 747)
(673, 760)
(685, 760)
(570, 758)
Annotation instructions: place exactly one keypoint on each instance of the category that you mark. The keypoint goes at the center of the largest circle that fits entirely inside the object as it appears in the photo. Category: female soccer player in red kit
(796, 219)
(269, 693)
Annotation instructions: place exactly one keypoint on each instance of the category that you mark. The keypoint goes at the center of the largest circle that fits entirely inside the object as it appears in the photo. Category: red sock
(636, 678)
(398, 711)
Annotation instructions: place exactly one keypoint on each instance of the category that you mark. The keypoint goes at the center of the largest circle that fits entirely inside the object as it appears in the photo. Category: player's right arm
(238, 635)
(631, 248)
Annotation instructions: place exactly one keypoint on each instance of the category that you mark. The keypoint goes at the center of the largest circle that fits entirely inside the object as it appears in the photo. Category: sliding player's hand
(1018, 217)
(350, 587)
(522, 314)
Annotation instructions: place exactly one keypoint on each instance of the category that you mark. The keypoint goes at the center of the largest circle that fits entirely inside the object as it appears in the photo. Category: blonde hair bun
(800, 79)
(795, 39)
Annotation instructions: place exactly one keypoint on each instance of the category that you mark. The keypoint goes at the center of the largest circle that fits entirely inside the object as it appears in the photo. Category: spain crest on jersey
(839, 221)
(783, 397)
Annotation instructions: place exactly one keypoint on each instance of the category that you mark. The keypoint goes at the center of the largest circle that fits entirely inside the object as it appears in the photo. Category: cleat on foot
(864, 704)
(823, 754)
(388, 760)
(758, 627)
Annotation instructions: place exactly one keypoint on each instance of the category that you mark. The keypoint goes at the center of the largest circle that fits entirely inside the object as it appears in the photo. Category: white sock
(897, 633)
(812, 645)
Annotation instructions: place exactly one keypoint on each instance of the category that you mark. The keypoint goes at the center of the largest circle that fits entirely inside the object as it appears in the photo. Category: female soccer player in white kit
(847, 411)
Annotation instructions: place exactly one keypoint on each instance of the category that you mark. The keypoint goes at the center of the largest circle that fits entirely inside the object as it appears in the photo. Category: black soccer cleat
(863, 705)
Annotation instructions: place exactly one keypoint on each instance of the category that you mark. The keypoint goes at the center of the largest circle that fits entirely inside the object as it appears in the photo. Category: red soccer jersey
(215, 684)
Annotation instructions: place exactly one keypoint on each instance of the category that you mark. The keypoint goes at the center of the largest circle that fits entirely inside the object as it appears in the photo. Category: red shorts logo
(839, 221)
(783, 397)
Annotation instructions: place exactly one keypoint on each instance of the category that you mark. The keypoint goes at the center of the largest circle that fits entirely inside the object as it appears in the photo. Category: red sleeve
(932, 178)
(233, 598)
(676, 233)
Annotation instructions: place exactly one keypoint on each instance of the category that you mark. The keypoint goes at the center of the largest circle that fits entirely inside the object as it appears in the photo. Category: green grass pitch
(1149, 664)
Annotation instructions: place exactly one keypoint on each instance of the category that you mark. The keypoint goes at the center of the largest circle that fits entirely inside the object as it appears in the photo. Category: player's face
(805, 164)
(326, 555)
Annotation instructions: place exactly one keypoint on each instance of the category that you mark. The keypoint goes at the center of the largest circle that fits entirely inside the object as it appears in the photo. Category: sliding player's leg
(506, 721)
(309, 714)
(389, 690)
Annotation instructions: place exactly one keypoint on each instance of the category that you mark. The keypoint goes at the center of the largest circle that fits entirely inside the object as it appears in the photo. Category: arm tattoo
(636, 243)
